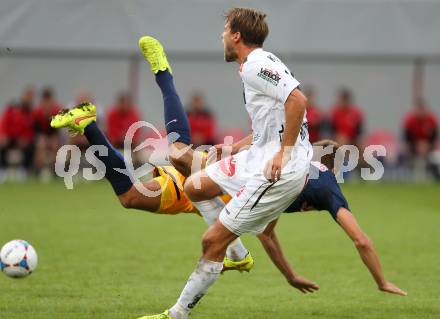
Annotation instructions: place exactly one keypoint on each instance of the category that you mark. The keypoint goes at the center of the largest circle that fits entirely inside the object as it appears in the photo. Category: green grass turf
(98, 260)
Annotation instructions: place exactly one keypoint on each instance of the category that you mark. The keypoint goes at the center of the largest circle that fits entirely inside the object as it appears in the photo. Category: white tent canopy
(371, 46)
(352, 27)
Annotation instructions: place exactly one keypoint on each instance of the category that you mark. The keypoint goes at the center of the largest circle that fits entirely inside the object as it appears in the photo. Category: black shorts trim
(261, 195)
(249, 199)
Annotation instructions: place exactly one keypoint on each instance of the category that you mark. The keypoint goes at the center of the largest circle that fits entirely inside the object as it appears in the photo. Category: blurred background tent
(386, 52)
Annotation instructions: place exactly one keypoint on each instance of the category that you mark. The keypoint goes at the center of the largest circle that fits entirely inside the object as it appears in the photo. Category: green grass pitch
(97, 260)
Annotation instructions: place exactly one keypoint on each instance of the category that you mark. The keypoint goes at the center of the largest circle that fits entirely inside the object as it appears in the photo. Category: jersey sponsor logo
(227, 166)
(270, 76)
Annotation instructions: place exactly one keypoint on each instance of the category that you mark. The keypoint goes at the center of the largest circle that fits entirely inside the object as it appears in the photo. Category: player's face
(229, 45)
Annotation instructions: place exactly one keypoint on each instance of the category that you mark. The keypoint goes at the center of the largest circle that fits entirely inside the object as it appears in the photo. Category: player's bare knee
(212, 242)
(363, 242)
(208, 242)
(191, 190)
(188, 187)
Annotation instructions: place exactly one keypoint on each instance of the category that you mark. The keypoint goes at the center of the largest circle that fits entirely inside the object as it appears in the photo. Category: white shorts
(255, 201)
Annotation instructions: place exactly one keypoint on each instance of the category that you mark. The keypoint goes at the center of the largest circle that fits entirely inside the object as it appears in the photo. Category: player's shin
(174, 113)
(205, 274)
(120, 182)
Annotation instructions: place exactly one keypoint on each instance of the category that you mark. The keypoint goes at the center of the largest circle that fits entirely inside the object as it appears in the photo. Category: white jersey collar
(253, 52)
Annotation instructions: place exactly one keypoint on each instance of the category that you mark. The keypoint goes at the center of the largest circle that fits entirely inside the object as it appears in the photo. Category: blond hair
(250, 23)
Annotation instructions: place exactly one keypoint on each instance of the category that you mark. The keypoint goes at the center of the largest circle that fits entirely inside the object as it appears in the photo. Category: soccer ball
(18, 259)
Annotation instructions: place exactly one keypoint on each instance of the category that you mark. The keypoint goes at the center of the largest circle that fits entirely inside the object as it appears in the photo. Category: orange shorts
(173, 199)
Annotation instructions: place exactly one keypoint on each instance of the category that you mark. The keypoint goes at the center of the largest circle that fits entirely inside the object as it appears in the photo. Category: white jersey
(267, 84)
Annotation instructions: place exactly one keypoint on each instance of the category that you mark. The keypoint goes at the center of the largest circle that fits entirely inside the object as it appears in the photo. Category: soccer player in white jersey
(263, 179)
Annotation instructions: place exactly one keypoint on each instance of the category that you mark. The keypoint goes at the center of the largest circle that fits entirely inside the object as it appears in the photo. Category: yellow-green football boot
(245, 264)
(75, 119)
(155, 54)
(164, 315)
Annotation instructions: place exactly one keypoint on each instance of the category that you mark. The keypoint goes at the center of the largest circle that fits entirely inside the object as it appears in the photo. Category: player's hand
(219, 151)
(214, 153)
(303, 284)
(273, 168)
(392, 289)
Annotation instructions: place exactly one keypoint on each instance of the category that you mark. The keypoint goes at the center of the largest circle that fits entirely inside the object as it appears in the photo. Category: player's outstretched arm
(270, 243)
(366, 251)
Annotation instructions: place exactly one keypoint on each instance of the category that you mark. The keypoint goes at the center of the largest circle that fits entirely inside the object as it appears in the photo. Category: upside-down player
(167, 185)
(172, 199)
(169, 197)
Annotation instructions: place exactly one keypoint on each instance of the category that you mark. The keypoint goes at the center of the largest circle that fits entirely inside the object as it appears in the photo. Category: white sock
(201, 279)
(236, 250)
(210, 210)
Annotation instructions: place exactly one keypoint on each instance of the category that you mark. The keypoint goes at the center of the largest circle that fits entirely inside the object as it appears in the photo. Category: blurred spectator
(420, 129)
(201, 121)
(17, 133)
(347, 119)
(315, 118)
(47, 138)
(119, 118)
